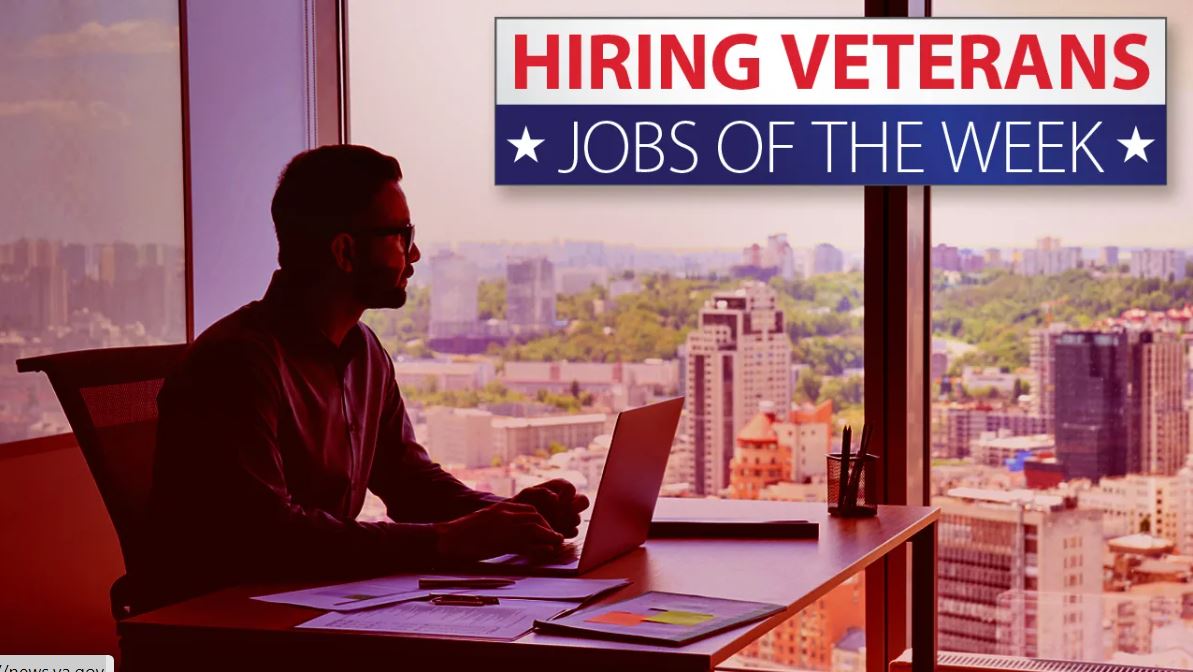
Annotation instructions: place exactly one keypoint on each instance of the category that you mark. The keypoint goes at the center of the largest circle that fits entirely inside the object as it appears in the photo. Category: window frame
(896, 244)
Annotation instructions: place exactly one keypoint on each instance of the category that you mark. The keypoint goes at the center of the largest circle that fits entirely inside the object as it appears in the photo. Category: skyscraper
(738, 356)
(826, 258)
(1097, 409)
(1042, 346)
(530, 294)
(1120, 403)
(1164, 435)
(1019, 574)
(1162, 264)
(454, 281)
(1109, 257)
(779, 254)
(48, 288)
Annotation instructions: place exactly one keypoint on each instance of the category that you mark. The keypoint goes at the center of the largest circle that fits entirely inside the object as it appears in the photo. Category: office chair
(110, 400)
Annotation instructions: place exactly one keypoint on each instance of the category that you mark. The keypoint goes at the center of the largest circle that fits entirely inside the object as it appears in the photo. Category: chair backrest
(110, 400)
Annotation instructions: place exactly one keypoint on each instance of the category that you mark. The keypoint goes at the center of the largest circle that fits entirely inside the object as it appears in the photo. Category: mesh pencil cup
(860, 499)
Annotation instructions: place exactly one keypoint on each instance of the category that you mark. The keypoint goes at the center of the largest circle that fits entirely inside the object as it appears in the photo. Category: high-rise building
(74, 261)
(826, 258)
(1120, 403)
(1161, 264)
(461, 437)
(454, 282)
(1164, 435)
(48, 288)
(1048, 244)
(993, 258)
(938, 361)
(1183, 490)
(1042, 348)
(1109, 257)
(1136, 503)
(780, 255)
(964, 424)
(1019, 574)
(946, 257)
(531, 436)
(972, 262)
(738, 356)
(776, 258)
(1048, 258)
(1097, 408)
(530, 294)
(808, 434)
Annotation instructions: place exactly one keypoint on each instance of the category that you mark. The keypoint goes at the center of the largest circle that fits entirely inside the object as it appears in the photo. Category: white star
(1135, 146)
(525, 145)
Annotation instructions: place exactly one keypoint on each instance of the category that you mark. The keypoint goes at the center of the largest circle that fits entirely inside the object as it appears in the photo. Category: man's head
(341, 218)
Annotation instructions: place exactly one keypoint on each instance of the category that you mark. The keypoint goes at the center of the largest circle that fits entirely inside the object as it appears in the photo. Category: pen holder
(859, 503)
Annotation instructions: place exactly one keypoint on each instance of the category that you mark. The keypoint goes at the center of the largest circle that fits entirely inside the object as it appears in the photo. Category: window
(1060, 345)
(538, 305)
(91, 249)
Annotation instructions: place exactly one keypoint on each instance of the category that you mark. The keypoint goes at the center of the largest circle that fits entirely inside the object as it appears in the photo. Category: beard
(380, 288)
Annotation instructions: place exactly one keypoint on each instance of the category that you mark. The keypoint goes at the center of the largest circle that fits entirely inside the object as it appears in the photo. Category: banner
(830, 101)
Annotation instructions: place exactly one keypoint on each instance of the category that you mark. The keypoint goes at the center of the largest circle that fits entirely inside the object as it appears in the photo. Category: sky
(90, 123)
(421, 88)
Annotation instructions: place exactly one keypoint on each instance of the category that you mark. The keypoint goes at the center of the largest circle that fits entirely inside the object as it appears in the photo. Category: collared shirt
(268, 436)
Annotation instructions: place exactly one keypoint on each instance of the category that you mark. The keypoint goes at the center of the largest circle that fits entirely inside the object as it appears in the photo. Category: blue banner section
(831, 144)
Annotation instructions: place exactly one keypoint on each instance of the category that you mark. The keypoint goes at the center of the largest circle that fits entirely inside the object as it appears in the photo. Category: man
(285, 411)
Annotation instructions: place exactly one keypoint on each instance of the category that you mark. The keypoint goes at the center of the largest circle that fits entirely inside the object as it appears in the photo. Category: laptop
(624, 502)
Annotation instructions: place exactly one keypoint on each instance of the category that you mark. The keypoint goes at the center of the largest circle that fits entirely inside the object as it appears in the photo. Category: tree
(807, 386)
(491, 299)
(843, 391)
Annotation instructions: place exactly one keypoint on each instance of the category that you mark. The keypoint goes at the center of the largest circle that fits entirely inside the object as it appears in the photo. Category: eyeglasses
(404, 231)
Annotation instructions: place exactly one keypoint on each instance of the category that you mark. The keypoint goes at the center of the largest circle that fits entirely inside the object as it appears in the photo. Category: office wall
(60, 555)
(251, 109)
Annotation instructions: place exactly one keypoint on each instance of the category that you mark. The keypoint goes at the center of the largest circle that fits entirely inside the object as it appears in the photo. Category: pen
(465, 583)
(855, 479)
(463, 600)
(843, 478)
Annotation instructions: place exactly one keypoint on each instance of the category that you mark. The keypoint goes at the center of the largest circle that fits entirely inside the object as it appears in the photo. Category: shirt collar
(284, 303)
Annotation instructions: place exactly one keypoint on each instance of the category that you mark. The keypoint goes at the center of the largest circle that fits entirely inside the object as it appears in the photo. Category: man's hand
(505, 527)
(559, 504)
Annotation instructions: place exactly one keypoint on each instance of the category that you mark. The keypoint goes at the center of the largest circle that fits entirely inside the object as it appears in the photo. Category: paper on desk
(506, 621)
(404, 587)
(543, 588)
(356, 595)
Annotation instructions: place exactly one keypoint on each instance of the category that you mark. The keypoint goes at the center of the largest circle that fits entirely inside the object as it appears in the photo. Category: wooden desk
(226, 631)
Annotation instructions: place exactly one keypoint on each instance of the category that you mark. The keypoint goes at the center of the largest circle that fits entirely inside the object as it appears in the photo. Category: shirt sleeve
(414, 488)
(222, 479)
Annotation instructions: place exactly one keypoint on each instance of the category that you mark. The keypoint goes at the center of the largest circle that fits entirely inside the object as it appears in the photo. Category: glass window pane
(91, 244)
(1061, 381)
(538, 313)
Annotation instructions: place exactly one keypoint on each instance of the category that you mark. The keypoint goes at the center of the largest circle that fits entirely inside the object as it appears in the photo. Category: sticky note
(680, 617)
(618, 618)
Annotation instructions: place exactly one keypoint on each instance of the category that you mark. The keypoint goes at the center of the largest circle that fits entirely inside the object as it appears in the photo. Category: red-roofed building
(758, 460)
